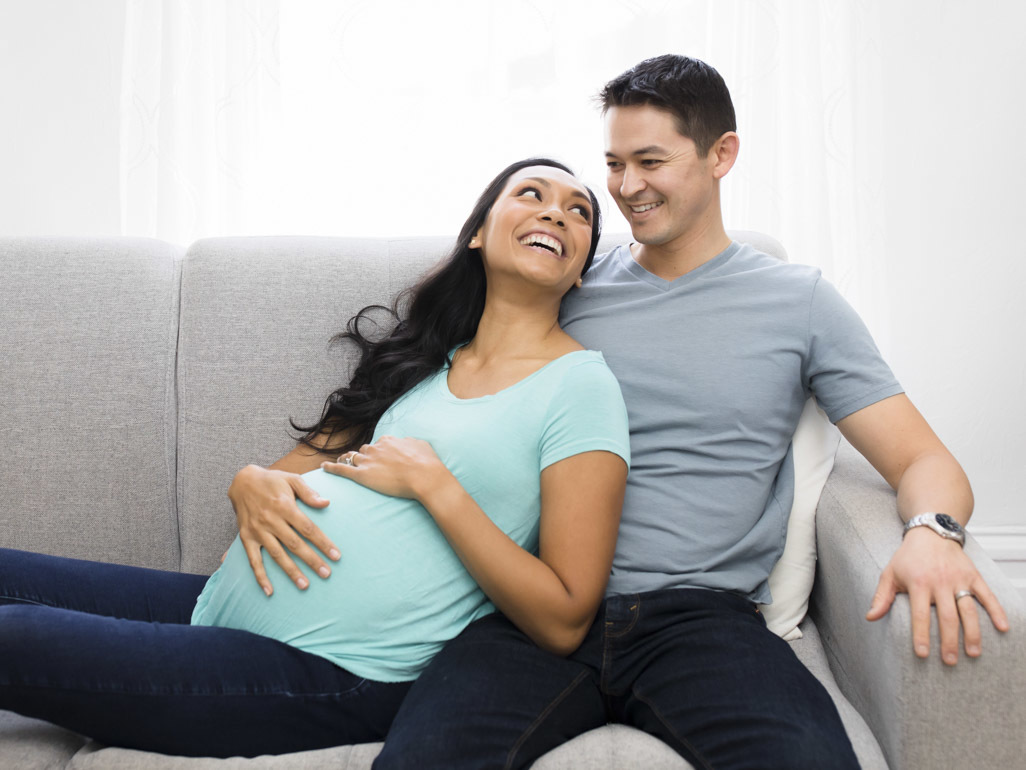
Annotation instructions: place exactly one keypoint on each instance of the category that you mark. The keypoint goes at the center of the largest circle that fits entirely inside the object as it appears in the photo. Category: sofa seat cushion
(28, 743)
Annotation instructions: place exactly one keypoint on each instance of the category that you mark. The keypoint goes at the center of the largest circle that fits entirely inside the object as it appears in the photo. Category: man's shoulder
(610, 259)
(748, 258)
(741, 267)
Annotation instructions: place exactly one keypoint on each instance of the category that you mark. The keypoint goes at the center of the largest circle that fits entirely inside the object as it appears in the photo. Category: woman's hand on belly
(397, 467)
(269, 519)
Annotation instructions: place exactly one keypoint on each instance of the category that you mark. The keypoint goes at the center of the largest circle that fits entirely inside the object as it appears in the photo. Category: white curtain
(200, 117)
(387, 118)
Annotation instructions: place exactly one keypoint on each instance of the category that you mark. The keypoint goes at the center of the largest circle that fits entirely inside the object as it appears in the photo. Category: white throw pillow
(814, 446)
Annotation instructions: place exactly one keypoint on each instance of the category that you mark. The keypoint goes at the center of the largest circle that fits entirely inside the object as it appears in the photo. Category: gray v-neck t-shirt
(715, 368)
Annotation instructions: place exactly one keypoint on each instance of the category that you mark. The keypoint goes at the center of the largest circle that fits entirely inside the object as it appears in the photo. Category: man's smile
(641, 208)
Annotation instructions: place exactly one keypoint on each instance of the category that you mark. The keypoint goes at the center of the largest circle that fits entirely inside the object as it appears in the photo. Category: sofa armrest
(923, 713)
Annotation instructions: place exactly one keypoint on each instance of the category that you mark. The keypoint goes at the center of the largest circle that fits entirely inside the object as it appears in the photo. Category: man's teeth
(536, 239)
(645, 207)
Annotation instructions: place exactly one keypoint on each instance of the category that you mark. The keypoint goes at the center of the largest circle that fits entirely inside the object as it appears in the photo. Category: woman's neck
(509, 330)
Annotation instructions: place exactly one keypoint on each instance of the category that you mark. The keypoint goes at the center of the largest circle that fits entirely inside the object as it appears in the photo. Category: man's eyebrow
(652, 149)
(545, 182)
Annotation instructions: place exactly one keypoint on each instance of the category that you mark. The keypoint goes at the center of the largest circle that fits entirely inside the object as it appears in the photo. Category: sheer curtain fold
(200, 116)
(385, 118)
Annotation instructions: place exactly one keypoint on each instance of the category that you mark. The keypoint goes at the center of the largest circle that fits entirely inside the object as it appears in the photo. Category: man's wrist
(941, 523)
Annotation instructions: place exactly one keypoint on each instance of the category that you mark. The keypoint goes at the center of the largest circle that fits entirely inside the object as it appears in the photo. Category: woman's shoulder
(578, 358)
(585, 369)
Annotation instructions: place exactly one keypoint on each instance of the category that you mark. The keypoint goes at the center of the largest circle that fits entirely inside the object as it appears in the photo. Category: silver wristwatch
(941, 523)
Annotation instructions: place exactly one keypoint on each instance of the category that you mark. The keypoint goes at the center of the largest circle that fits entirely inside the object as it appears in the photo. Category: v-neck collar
(634, 268)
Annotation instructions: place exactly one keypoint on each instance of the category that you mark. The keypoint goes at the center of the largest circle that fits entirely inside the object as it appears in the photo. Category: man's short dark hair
(689, 89)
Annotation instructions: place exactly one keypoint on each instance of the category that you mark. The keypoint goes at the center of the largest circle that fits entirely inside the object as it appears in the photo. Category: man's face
(655, 175)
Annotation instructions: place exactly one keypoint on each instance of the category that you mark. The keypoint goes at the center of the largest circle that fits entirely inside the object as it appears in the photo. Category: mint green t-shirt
(400, 592)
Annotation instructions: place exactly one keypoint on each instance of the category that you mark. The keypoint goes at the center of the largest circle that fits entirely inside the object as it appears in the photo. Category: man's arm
(899, 443)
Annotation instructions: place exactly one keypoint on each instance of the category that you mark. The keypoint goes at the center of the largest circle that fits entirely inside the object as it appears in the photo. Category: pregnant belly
(397, 573)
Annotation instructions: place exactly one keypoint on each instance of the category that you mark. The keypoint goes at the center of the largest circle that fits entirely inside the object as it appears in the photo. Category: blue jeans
(107, 651)
(696, 668)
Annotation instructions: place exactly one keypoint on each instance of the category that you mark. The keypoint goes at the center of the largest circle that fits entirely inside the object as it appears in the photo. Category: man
(716, 347)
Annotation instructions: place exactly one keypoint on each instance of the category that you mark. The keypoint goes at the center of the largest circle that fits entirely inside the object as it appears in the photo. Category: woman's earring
(578, 283)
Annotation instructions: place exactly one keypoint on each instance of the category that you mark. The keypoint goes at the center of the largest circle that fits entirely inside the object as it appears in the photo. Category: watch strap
(941, 523)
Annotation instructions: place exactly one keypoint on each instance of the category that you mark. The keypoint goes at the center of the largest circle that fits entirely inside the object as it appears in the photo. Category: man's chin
(644, 232)
(647, 237)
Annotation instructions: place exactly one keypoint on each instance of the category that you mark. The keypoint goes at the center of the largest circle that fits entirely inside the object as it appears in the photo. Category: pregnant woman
(476, 462)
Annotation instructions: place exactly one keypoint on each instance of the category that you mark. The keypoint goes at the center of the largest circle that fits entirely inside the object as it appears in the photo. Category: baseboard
(1006, 545)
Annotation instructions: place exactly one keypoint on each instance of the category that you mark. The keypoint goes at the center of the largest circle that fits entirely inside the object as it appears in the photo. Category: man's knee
(812, 747)
(508, 732)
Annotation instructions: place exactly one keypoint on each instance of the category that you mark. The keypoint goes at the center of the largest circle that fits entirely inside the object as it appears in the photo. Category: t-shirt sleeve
(844, 368)
(586, 414)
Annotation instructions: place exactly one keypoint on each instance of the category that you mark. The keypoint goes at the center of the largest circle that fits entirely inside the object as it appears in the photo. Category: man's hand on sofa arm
(269, 520)
(932, 570)
(903, 697)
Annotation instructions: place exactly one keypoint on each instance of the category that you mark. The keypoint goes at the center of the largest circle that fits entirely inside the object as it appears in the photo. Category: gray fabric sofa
(136, 377)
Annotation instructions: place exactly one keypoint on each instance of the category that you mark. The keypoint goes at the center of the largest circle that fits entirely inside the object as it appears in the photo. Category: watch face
(948, 523)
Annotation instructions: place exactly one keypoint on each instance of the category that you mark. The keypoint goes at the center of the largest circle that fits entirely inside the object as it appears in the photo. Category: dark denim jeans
(696, 668)
(107, 651)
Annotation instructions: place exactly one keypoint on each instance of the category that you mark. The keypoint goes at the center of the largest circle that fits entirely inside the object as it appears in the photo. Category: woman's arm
(264, 500)
(552, 597)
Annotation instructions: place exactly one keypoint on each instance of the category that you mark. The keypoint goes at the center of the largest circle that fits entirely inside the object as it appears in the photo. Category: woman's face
(539, 228)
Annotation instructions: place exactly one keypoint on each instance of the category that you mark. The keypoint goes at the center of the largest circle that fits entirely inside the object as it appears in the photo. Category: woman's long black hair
(431, 318)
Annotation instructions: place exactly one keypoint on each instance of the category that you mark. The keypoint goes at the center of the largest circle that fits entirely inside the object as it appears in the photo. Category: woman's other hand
(264, 500)
(398, 467)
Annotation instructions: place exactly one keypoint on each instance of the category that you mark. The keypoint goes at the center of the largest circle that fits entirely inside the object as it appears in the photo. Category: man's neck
(681, 255)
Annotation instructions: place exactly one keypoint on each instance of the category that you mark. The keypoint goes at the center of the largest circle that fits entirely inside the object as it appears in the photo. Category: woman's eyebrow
(576, 193)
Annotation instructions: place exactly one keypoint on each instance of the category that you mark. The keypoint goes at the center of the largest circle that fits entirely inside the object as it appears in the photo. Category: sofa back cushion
(257, 317)
(88, 329)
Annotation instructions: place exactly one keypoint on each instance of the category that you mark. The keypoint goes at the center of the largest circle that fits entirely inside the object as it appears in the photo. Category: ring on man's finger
(962, 594)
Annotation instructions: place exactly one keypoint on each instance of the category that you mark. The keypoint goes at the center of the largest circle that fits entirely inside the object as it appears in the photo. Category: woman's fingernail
(324, 572)
(302, 582)
(267, 590)
(334, 553)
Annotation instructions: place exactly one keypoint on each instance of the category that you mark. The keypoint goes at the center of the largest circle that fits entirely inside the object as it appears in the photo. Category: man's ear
(724, 152)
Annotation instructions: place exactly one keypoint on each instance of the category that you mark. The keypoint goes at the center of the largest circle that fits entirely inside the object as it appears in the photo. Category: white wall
(60, 81)
(956, 261)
